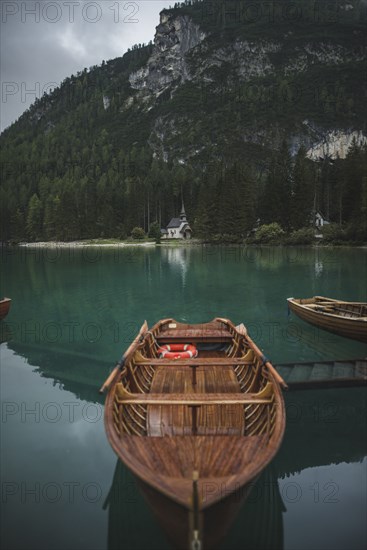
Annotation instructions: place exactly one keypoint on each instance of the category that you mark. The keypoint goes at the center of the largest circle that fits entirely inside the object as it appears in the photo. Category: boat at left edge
(4, 307)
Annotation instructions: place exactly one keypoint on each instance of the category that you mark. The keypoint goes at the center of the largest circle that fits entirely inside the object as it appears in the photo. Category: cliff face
(203, 91)
(247, 75)
(335, 144)
(175, 37)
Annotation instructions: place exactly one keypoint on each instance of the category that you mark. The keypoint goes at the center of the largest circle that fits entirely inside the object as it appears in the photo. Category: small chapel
(178, 228)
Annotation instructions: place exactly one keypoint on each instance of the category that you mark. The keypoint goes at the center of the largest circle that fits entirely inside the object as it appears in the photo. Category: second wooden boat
(348, 319)
(4, 307)
(196, 431)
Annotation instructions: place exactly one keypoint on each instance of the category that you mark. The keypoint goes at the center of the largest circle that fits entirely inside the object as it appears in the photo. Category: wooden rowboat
(4, 307)
(198, 431)
(347, 319)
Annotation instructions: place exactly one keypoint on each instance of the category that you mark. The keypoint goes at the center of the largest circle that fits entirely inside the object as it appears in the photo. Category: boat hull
(4, 307)
(353, 328)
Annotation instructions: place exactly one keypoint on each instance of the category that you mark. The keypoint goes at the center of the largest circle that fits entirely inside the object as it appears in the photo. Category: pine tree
(303, 191)
(355, 191)
(237, 201)
(18, 225)
(206, 220)
(34, 218)
(229, 205)
(247, 197)
(276, 203)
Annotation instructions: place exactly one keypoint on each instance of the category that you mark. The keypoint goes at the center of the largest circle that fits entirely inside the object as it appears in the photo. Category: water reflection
(6, 332)
(259, 525)
(77, 373)
(129, 518)
(179, 259)
(324, 428)
(74, 312)
(319, 268)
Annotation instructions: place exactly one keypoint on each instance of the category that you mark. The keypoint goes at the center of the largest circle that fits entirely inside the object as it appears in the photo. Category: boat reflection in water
(260, 521)
(324, 427)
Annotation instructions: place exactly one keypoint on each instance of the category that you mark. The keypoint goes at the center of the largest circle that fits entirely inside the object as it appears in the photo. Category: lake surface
(73, 313)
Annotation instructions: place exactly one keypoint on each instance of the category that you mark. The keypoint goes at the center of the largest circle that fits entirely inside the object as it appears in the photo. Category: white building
(178, 228)
(320, 221)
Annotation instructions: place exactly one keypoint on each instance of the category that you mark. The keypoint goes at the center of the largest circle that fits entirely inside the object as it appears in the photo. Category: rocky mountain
(223, 82)
(311, 79)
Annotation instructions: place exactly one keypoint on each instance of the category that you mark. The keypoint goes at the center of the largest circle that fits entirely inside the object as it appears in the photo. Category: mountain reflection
(81, 374)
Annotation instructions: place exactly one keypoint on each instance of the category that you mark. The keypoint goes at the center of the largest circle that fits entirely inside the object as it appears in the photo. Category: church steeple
(183, 213)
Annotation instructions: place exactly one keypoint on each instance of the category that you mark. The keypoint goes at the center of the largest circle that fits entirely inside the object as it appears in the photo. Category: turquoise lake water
(73, 313)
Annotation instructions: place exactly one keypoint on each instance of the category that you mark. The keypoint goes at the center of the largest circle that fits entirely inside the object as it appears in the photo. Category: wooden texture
(192, 336)
(179, 382)
(324, 374)
(194, 361)
(348, 319)
(218, 418)
(177, 457)
(242, 329)
(120, 364)
(4, 307)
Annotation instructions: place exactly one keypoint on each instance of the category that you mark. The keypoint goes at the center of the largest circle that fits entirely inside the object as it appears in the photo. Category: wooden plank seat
(196, 362)
(179, 420)
(124, 397)
(247, 359)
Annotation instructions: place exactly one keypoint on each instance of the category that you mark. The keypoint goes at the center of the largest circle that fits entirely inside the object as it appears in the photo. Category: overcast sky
(43, 42)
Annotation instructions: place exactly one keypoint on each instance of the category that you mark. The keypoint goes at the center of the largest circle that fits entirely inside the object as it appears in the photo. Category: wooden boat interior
(195, 431)
(226, 393)
(352, 310)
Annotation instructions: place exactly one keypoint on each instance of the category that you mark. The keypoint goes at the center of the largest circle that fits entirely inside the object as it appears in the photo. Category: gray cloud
(43, 42)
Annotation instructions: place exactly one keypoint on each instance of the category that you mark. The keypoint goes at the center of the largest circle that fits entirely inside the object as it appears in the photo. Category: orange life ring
(178, 351)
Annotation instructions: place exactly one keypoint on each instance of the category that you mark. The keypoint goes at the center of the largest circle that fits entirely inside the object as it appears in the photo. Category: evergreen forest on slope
(76, 167)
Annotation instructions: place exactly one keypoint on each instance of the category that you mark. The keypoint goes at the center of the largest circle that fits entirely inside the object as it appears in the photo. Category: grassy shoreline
(114, 243)
(87, 243)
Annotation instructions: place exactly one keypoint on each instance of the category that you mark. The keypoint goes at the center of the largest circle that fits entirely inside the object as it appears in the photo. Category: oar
(241, 329)
(120, 364)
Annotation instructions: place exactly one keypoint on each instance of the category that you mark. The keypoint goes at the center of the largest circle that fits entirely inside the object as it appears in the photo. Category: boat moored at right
(348, 319)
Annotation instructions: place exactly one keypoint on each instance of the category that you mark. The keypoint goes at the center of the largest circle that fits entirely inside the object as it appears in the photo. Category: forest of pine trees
(73, 169)
(104, 195)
